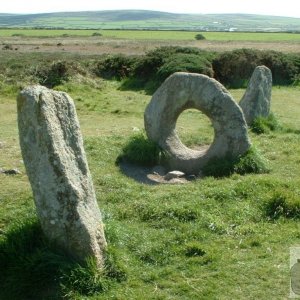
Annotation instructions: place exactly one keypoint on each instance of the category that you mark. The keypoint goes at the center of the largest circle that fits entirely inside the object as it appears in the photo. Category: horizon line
(149, 10)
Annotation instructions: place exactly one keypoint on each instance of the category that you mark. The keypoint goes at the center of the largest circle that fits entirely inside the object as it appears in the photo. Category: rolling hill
(154, 20)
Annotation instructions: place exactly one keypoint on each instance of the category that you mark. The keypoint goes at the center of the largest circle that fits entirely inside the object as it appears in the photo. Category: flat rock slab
(256, 101)
(55, 161)
(174, 174)
(182, 91)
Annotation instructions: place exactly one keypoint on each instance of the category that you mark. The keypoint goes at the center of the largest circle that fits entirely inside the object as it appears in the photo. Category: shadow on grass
(31, 268)
(138, 173)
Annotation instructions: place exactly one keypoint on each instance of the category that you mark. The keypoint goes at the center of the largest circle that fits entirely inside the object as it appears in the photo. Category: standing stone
(182, 91)
(56, 164)
(256, 101)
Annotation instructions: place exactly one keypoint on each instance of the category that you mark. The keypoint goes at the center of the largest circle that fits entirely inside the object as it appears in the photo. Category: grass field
(154, 20)
(154, 35)
(208, 239)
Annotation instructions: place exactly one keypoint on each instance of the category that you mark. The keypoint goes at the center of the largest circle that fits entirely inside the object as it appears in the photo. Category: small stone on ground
(173, 174)
(159, 170)
(10, 171)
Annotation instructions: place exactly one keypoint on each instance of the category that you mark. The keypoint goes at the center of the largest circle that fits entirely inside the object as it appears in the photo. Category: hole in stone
(194, 129)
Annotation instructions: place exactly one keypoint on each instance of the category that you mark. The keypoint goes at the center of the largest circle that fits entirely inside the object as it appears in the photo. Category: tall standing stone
(56, 164)
(256, 101)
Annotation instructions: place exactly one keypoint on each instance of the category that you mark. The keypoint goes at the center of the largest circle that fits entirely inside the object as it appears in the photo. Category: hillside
(140, 19)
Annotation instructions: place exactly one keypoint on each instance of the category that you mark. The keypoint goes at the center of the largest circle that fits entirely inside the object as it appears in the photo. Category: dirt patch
(152, 176)
(90, 46)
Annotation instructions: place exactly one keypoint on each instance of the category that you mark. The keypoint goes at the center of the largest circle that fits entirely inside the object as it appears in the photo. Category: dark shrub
(148, 65)
(182, 62)
(7, 47)
(235, 68)
(18, 34)
(96, 34)
(57, 73)
(116, 66)
(53, 75)
(153, 68)
(284, 67)
(199, 37)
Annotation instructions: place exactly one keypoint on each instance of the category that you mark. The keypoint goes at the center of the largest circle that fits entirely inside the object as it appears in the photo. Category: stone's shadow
(138, 173)
(29, 265)
(149, 175)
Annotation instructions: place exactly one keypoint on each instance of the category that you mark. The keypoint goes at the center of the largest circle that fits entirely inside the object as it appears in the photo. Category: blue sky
(267, 7)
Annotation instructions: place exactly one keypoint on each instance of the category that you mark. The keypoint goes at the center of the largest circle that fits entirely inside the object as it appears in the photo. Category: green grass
(141, 19)
(154, 35)
(141, 151)
(29, 263)
(265, 124)
(224, 238)
(249, 162)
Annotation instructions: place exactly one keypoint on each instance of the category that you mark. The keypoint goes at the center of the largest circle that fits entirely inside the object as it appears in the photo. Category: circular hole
(194, 129)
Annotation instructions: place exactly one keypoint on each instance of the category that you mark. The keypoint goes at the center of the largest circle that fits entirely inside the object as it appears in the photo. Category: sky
(262, 7)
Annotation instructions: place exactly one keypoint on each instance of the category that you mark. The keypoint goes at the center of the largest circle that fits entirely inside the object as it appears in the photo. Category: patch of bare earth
(92, 46)
(151, 175)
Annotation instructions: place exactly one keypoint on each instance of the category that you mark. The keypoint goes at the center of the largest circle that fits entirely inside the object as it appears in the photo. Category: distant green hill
(154, 20)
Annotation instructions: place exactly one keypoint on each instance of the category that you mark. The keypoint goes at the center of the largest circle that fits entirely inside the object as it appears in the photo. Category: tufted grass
(225, 238)
(250, 162)
(140, 150)
(265, 124)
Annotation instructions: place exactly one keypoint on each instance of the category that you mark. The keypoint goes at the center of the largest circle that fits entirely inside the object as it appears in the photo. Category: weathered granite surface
(55, 161)
(256, 101)
(182, 91)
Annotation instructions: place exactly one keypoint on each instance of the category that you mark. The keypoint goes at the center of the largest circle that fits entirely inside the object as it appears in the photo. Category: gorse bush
(53, 75)
(265, 124)
(199, 37)
(153, 68)
(141, 151)
(284, 67)
(250, 162)
(234, 68)
(184, 63)
(158, 63)
(115, 66)
(57, 73)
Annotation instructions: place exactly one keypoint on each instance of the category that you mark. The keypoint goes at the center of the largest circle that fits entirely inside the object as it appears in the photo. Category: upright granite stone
(256, 101)
(182, 91)
(55, 161)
